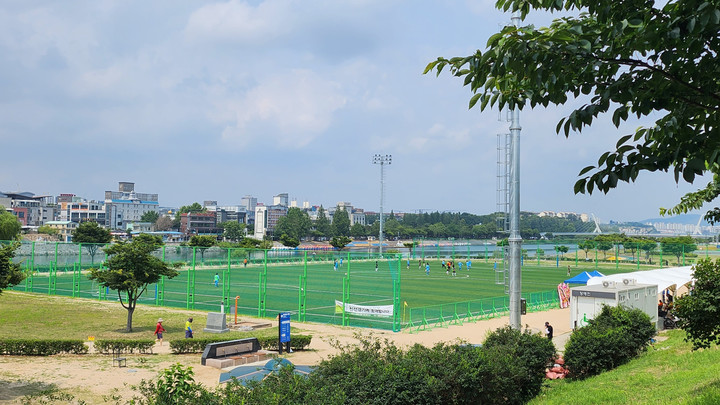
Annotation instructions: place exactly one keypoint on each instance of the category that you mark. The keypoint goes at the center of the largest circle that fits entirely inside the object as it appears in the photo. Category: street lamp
(382, 160)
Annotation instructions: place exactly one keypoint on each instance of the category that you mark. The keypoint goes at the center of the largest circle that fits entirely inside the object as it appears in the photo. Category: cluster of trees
(676, 246)
(297, 225)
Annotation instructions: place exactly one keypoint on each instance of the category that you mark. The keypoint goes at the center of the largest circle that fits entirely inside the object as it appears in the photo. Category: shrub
(41, 347)
(532, 352)
(178, 346)
(614, 337)
(124, 346)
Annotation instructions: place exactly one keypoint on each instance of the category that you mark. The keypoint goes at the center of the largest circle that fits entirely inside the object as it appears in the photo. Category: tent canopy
(581, 278)
(664, 278)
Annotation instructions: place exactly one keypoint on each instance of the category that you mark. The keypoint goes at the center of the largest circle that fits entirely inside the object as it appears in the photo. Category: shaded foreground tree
(10, 227)
(131, 268)
(641, 58)
(92, 236)
(698, 312)
(10, 273)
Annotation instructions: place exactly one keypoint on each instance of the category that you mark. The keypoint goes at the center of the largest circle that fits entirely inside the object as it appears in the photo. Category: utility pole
(382, 160)
(515, 240)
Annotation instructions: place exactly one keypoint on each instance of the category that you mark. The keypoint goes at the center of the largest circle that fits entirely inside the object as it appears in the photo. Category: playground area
(348, 288)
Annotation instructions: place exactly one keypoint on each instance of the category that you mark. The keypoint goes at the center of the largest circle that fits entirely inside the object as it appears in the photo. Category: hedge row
(124, 346)
(41, 347)
(178, 346)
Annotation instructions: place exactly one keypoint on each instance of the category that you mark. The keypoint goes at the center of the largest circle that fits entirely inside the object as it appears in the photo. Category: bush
(532, 352)
(508, 369)
(614, 337)
(41, 347)
(124, 346)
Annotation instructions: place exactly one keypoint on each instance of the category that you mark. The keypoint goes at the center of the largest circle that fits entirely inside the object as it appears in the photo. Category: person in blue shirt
(460, 265)
(427, 268)
(468, 265)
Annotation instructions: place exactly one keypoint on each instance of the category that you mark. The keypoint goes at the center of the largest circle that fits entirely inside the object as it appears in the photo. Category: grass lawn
(50, 317)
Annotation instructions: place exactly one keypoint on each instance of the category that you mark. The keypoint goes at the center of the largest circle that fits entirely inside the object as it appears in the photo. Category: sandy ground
(90, 377)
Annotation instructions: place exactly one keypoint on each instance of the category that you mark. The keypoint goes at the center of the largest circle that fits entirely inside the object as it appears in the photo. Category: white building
(125, 205)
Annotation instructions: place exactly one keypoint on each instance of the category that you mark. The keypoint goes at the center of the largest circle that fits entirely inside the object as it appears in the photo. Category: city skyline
(217, 100)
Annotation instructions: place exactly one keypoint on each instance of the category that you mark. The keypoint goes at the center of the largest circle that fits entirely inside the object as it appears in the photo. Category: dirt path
(90, 377)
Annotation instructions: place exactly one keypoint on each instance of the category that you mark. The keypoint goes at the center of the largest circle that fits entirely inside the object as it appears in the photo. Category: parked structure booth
(587, 301)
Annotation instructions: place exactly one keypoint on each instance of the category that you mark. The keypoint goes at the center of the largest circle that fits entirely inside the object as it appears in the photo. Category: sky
(215, 100)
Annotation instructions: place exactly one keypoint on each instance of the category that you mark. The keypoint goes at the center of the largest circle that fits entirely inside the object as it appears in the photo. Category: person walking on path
(548, 330)
(188, 329)
(159, 331)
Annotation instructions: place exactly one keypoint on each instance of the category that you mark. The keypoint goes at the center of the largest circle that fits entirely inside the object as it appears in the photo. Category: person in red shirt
(159, 331)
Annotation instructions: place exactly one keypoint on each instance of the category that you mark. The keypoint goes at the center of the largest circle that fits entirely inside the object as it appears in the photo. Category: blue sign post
(284, 331)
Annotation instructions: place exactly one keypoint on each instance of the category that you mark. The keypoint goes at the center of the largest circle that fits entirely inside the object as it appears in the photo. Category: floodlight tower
(382, 160)
(515, 240)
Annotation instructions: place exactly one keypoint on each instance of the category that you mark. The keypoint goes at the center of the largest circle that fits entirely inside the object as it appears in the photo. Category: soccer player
(376, 265)
(427, 268)
(468, 264)
(217, 279)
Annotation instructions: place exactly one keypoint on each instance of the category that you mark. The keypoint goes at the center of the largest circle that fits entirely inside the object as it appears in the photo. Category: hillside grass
(668, 373)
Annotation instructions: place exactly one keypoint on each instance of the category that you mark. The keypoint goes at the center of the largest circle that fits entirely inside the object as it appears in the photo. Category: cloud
(289, 110)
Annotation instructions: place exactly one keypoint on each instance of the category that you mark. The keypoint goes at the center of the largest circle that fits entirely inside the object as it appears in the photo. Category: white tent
(664, 278)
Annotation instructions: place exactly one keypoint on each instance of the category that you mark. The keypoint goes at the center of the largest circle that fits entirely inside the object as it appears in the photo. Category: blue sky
(215, 100)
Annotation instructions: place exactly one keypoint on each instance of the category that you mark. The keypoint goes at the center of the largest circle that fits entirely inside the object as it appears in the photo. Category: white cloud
(293, 108)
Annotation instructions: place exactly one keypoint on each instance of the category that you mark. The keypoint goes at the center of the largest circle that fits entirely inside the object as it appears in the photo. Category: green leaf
(474, 100)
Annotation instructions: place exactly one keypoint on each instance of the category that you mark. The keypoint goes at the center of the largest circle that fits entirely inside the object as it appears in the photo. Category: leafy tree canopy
(340, 242)
(92, 236)
(10, 227)
(629, 58)
(150, 216)
(131, 268)
(47, 230)
(698, 311)
(233, 230)
(289, 241)
(296, 224)
(341, 223)
(10, 273)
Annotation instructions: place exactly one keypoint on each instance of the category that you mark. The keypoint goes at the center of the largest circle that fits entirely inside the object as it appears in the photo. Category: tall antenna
(382, 160)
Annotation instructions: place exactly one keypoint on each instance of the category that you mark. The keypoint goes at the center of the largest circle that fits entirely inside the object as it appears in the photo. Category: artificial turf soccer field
(195, 289)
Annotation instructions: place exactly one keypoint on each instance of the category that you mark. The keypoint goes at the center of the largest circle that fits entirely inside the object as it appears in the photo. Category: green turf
(439, 295)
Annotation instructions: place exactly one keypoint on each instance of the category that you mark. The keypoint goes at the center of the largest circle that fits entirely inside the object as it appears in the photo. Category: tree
(340, 242)
(202, 243)
(322, 223)
(47, 230)
(628, 58)
(698, 311)
(131, 268)
(562, 249)
(289, 241)
(678, 246)
(91, 235)
(10, 273)
(341, 223)
(164, 223)
(586, 245)
(357, 230)
(150, 216)
(232, 230)
(10, 227)
(296, 224)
